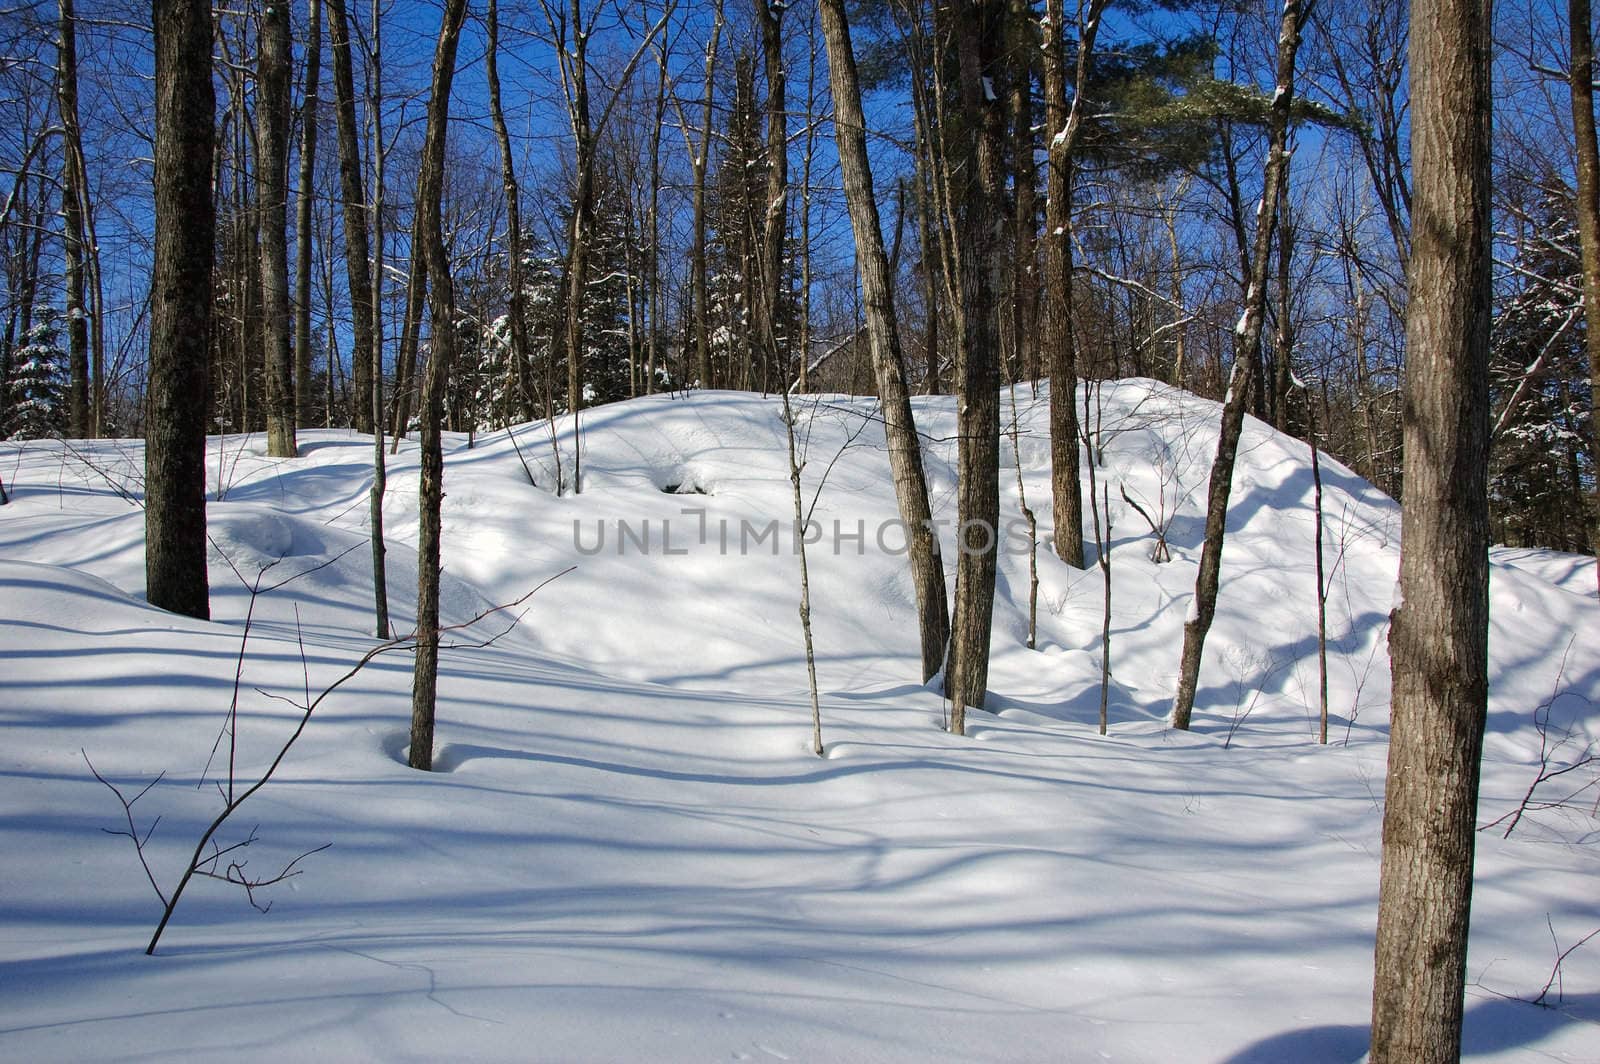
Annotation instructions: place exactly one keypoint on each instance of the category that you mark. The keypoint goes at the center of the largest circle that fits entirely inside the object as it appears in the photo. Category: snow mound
(627, 850)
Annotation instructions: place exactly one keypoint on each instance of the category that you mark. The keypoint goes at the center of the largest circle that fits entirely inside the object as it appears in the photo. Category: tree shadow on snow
(1491, 1025)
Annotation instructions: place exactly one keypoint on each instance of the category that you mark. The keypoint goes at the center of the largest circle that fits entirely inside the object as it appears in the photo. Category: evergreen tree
(1542, 461)
(38, 386)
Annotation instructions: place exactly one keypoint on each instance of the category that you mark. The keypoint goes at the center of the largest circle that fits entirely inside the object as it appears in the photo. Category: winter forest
(858, 529)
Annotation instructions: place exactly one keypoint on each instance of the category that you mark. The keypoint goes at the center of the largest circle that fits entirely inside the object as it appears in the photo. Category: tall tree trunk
(700, 156)
(1284, 336)
(355, 215)
(1062, 123)
(1025, 345)
(1581, 80)
(180, 310)
(808, 155)
(653, 250)
(978, 26)
(774, 222)
(305, 406)
(80, 415)
(508, 182)
(430, 189)
(380, 472)
(1438, 638)
(272, 168)
(877, 286)
(1246, 347)
(405, 363)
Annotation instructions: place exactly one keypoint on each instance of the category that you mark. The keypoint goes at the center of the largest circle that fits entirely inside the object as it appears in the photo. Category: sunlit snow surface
(628, 852)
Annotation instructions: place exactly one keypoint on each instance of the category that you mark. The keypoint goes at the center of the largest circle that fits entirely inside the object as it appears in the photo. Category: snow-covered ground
(628, 851)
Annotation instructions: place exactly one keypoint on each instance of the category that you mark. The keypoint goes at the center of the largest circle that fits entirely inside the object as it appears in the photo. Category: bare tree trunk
(180, 310)
(1284, 337)
(1102, 543)
(978, 26)
(430, 188)
(1322, 584)
(1438, 638)
(805, 204)
(272, 169)
(774, 220)
(900, 431)
(304, 400)
(355, 218)
(1025, 345)
(1246, 345)
(653, 260)
(380, 472)
(80, 414)
(405, 363)
(699, 157)
(1062, 122)
(795, 465)
(1581, 80)
(86, 336)
(508, 181)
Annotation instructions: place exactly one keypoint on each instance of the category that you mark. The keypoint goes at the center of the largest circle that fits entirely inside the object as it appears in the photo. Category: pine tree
(39, 381)
(1542, 460)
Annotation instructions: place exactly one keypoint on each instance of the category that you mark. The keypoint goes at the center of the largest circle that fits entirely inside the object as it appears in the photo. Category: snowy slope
(628, 852)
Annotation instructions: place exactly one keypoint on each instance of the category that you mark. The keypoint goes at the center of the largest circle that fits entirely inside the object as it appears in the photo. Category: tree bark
(518, 311)
(430, 189)
(74, 196)
(877, 287)
(380, 472)
(978, 25)
(1062, 123)
(180, 310)
(1581, 80)
(1246, 347)
(355, 216)
(305, 409)
(1025, 344)
(700, 156)
(774, 218)
(1438, 637)
(272, 168)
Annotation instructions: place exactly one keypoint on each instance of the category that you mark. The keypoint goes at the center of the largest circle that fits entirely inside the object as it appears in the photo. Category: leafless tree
(180, 311)
(1438, 640)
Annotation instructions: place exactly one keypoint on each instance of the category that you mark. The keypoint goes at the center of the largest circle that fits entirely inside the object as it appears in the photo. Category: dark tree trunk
(430, 188)
(1246, 362)
(1581, 80)
(180, 311)
(982, 277)
(305, 401)
(1025, 344)
(1062, 122)
(355, 215)
(272, 169)
(380, 473)
(1438, 638)
(774, 217)
(701, 157)
(80, 420)
(877, 286)
(519, 380)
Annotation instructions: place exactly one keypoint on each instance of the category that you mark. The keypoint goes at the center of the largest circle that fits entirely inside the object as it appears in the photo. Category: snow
(627, 850)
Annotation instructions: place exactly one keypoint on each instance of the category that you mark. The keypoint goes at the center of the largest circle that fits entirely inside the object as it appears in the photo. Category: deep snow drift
(628, 851)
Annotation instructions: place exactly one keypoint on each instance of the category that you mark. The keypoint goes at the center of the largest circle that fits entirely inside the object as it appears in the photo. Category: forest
(1371, 230)
(690, 147)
